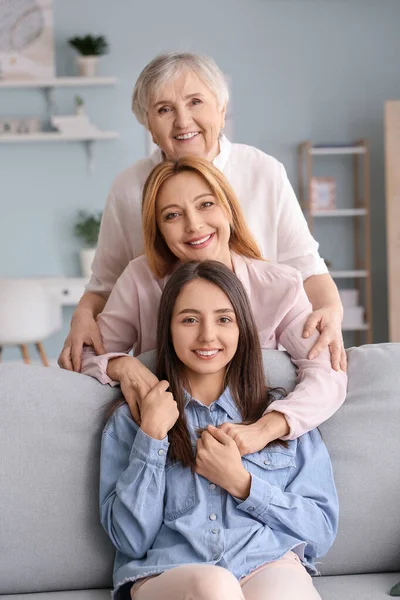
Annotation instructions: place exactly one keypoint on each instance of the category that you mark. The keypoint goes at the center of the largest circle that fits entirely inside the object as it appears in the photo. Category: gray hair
(169, 66)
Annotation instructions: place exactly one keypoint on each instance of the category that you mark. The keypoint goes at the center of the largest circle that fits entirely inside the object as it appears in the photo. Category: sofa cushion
(363, 440)
(50, 428)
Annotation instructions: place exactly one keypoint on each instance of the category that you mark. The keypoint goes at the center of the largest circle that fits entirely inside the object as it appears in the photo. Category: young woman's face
(204, 329)
(192, 222)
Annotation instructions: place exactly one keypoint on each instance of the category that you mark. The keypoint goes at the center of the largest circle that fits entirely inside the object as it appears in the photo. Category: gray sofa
(52, 546)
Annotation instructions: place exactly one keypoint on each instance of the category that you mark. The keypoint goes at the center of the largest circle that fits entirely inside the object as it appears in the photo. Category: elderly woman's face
(185, 119)
(191, 220)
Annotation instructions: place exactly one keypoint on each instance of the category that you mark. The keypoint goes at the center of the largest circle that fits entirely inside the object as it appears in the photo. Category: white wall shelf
(55, 136)
(348, 274)
(330, 150)
(59, 82)
(340, 212)
(48, 86)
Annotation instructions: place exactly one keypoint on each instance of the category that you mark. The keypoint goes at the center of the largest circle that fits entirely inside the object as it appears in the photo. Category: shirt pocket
(181, 493)
(273, 466)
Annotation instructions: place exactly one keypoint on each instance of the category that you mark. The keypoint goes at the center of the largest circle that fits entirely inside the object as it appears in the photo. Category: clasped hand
(218, 460)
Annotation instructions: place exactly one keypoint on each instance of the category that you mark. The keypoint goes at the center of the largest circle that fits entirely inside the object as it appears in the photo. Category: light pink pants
(283, 579)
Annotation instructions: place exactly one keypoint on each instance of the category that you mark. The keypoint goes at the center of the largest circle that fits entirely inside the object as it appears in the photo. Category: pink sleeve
(319, 391)
(118, 324)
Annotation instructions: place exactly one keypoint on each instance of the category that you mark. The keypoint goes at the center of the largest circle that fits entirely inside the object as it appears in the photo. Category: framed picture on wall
(323, 194)
(26, 39)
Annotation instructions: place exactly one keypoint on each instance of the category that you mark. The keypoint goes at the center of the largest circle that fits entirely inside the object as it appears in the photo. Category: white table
(68, 290)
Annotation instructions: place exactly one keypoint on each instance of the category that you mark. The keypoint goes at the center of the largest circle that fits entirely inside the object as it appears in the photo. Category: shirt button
(251, 508)
(161, 452)
(214, 531)
(213, 517)
(212, 408)
(267, 462)
(212, 486)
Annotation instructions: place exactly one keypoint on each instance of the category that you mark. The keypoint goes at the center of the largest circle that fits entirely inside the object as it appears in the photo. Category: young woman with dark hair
(190, 518)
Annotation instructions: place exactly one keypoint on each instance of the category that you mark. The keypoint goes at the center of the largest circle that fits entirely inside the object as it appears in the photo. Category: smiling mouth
(187, 136)
(206, 354)
(201, 242)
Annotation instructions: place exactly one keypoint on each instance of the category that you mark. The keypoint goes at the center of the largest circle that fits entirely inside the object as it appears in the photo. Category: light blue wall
(301, 69)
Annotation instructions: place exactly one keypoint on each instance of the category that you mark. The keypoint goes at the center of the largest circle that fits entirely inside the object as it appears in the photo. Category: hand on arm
(326, 318)
(218, 460)
(159, 411)
(83, 331)
(136, 381)
(254, 437)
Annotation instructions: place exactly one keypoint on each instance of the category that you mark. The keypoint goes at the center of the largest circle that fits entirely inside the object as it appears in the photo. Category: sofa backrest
(50, 428)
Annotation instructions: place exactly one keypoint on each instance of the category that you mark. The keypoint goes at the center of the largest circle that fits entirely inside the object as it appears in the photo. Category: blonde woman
(190, 212)
(181, 98)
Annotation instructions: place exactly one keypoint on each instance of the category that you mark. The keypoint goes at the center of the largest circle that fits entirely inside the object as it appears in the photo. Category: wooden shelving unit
(392, 172)
(359, 212)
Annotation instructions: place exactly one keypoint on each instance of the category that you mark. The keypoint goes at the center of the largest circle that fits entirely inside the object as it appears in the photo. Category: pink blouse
(280, 307)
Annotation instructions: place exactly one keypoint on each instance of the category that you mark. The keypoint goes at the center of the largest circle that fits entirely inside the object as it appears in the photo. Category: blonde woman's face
(184, 118)
(192, 222)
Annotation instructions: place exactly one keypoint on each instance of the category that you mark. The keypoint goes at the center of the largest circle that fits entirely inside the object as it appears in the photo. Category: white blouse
(268, 201)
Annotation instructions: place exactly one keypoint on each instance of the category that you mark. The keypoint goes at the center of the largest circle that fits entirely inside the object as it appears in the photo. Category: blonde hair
(160, 258)
(166, 68)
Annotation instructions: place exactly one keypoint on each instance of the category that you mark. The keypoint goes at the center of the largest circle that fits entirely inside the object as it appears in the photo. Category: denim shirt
(160, 515)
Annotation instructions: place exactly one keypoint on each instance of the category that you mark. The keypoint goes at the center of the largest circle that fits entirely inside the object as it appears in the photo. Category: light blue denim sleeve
(308, 507)
(132, 485)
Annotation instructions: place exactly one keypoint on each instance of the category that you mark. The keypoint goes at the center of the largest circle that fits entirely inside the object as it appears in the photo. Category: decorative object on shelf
(353, 314)
(87, 228)
(19, 126)
(74, 125)
(89, 48)
(356, 318)
(79, 106)
(26, 39)
(323, 193)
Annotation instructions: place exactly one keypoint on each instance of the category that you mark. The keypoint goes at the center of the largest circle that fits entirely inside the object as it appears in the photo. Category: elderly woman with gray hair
(181, 98)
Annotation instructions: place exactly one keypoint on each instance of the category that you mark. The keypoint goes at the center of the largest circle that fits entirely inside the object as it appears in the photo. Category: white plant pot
(87, 65)
(87, 256)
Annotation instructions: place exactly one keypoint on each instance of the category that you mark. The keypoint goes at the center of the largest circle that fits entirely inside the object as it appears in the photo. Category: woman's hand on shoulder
(159, 411)
(135, 379)
(328, 321)
(84, 332)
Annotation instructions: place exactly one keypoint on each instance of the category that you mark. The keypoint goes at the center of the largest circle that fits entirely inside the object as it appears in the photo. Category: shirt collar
(219, 161)
(225, 401)
(241, 271)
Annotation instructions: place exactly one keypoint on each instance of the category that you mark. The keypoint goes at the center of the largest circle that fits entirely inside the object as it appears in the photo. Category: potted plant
(87, 228)
(89, 48)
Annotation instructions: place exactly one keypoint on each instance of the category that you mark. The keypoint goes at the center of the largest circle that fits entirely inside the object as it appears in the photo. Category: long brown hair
(160, 258)
(244, 374)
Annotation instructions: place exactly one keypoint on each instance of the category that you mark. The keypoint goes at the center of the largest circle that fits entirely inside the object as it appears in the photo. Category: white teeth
(187, 136)
(206, 352)
(200, 241)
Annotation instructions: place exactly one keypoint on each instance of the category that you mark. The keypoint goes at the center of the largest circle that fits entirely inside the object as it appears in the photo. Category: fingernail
(306, 333)
(312, 356)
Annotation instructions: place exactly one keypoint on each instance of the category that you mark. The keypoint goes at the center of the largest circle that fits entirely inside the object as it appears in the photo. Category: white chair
(28, 314)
